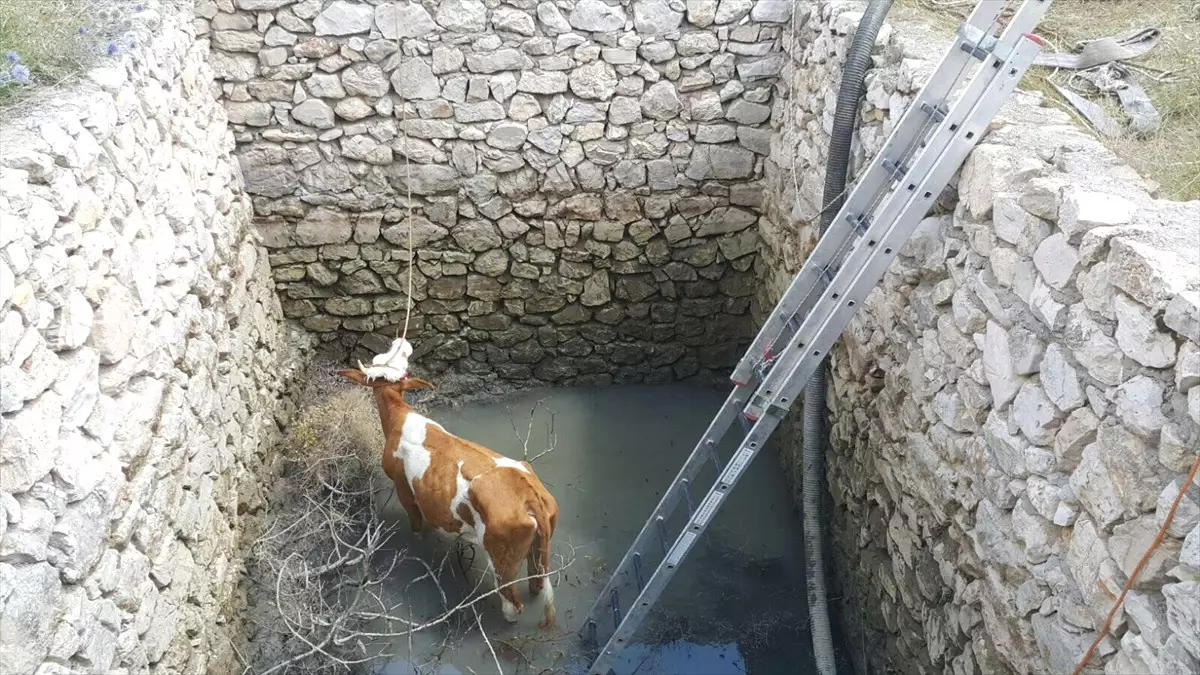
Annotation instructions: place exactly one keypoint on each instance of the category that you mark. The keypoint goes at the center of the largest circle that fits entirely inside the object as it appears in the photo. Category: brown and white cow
(462, 487)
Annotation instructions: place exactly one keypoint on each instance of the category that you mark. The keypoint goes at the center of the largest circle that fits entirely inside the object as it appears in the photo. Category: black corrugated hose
(814, 435)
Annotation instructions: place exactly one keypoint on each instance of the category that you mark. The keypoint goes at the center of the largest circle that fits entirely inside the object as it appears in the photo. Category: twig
(551, 435)
(1162, 531)
(415, 627)
(486, 641)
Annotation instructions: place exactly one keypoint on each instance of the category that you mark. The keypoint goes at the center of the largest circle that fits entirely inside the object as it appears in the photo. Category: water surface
(736, 606)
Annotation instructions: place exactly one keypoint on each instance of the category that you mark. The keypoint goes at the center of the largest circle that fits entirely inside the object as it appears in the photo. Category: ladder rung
(687, 493)
(976, 42)
(712, 452)
(895, 169)
(937, 112)
(860, 222)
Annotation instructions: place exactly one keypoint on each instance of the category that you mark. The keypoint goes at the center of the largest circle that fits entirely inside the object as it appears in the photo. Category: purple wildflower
(12, 57)
(112, 49)
(139, 7)
(82, 30)
(20, 74)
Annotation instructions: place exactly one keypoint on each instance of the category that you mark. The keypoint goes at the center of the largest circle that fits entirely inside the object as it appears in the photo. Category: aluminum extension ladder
(931, 141)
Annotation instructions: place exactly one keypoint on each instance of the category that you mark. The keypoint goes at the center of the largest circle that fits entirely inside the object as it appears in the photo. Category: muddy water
(736, 605)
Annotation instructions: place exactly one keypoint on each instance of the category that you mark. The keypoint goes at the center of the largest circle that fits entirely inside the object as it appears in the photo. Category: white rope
(412, 258)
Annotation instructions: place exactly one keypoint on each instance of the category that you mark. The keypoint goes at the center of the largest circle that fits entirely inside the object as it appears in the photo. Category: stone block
(701, 13)
(396, 20)
(1035, 414)
(729, 11)
(1183, 613)
(661, 101)
(1017, 226)
(314, 113)
(1189, 554)
(70, 324)
(1139, 405)
(999, 366)
(1152, 276)
(719, 162)
(344, 18)
(1095, 351)
(28, 436)
(25, 623)
(596, 16)
(1083, 210)
(1115, 477)
(1138, 336)
(1008, 449)
(1130, 541)
(462, 16)
(1187, 514)
(1148, 613)
(1183, 314)
(656, 17)
(1056, 261)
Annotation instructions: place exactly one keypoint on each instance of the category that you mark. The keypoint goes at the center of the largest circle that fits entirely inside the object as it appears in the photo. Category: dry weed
(1171, 157)
(44, 43)
(336, 442)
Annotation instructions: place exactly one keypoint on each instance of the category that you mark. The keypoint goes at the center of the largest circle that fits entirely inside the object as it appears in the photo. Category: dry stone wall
(1014, 409)
(584, 176)
(141, 365)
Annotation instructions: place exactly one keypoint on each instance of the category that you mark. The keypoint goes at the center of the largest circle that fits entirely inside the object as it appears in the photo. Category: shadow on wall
(584, 179)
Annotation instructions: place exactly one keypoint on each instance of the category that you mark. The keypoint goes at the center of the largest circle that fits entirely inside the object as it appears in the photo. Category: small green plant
(49, 42)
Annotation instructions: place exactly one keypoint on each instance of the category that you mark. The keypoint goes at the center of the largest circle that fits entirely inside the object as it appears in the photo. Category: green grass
(1171, 157)
(45, 35)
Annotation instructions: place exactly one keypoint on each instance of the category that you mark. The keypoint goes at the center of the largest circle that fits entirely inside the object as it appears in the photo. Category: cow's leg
(404, 493)
(538, 562)
(532, 569)
(506, 546)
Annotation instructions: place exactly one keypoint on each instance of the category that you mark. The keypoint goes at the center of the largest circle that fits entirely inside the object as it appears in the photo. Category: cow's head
(362, 376)
(389, 394)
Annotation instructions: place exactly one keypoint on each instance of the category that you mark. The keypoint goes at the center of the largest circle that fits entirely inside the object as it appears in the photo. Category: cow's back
(498, 488)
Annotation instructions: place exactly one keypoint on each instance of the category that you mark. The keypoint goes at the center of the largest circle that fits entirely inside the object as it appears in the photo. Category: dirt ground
(1170, 159)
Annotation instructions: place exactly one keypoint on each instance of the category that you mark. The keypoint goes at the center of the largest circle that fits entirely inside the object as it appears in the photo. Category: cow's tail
(541, 557)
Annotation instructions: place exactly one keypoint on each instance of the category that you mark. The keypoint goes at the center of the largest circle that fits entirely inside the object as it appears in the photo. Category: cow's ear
(414, 383)
(354, 375)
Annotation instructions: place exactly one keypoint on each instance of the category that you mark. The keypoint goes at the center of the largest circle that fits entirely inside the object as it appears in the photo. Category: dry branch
(551, 435)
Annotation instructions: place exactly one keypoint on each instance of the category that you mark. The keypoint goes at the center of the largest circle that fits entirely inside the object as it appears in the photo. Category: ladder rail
(748, 449)
(907, 133)
(781, 385)
(893, 204)
(767, 384)
(797, 376)
(704, 449)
